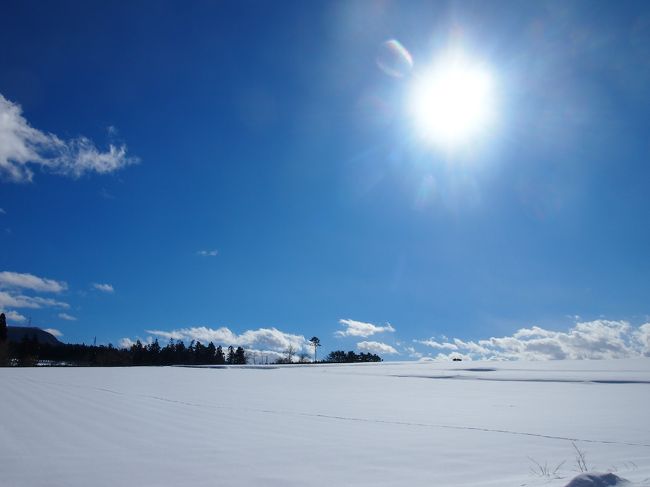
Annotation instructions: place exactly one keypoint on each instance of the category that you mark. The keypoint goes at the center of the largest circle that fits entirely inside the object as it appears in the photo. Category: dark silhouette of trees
(4, 346)
(167, 353)
(210, 353)
(3, 328)
(230, 359)
(315, 342)
(138, 352)
(339, 356)
(240, 356)
(30, 352)
(220, 358)
(153, 352)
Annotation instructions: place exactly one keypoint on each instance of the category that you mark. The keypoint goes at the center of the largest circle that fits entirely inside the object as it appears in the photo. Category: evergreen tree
(339, 356)
(3, 328)
(154, 353)
(137, 352)
(180, 353)
(231, 355)
(191, 352)
(211, 353)
(167, 353)
(4, 343)
(200, 353)
(219, 358)
(240, 356)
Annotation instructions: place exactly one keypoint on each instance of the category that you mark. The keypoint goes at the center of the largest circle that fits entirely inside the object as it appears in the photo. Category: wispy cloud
(18, 280)
(67, 317)
(413, 353)
(434, 344)
(13, 285)
(377, 347)
(20, 301)
(104, 193)
(361, 329)
(208, 253)
(598, 339)
(22, 148)
(53, 331)
(2, 211)
(105, 288)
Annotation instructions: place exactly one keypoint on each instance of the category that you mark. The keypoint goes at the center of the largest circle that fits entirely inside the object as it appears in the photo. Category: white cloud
(413, 353)
(434, 344)
(105, 288)
(208, 253)
(263, 345)
(376, 347)
(53, 331)
(19, 301)
(270, 339)
(125, 343)
(67, 317)
(13, 282)
(361, 329)
(642, 336)
(535, 331)
(22, 148)
(254, 341)
(470, 346)
(598, 339)
(17, 280)
(13, 316)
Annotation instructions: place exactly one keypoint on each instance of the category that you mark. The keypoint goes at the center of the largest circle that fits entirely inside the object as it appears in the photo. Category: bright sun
(452, 102)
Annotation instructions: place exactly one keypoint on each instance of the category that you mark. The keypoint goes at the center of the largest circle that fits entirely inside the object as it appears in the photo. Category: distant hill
(15, 334)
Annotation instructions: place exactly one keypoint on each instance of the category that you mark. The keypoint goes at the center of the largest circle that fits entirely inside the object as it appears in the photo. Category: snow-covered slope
(398, 424)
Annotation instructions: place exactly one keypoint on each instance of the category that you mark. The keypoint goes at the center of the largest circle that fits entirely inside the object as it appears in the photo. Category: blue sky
(266, 174)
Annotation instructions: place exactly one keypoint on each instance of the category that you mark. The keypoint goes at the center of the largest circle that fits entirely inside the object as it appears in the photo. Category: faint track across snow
(346, 418)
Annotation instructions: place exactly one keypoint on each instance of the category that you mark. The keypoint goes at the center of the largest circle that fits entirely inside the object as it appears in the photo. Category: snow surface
(392, 424)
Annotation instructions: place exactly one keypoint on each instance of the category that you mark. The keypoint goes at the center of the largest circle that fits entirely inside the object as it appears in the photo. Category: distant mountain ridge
(15, 334)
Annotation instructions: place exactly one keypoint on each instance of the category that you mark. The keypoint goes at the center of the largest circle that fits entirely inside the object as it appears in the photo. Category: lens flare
(394, 59)
(452, 102)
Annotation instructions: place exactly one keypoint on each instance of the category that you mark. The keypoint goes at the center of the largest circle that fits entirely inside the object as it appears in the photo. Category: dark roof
(15, 334)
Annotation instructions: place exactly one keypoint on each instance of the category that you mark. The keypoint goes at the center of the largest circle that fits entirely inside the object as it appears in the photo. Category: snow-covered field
(397, 424)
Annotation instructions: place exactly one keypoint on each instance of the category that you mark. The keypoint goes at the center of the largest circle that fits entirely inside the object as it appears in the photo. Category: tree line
(341, 357)
(29, 352)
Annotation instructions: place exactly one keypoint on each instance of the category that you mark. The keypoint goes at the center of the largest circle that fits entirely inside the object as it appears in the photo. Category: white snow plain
(391, 424)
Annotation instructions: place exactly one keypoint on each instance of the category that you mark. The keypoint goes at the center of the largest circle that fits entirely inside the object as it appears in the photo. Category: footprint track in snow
(347, 418)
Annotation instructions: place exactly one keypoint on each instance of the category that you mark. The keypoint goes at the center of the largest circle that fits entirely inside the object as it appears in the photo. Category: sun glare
(452, 102)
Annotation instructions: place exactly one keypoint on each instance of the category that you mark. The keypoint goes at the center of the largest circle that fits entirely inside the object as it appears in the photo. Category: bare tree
(289, 353)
